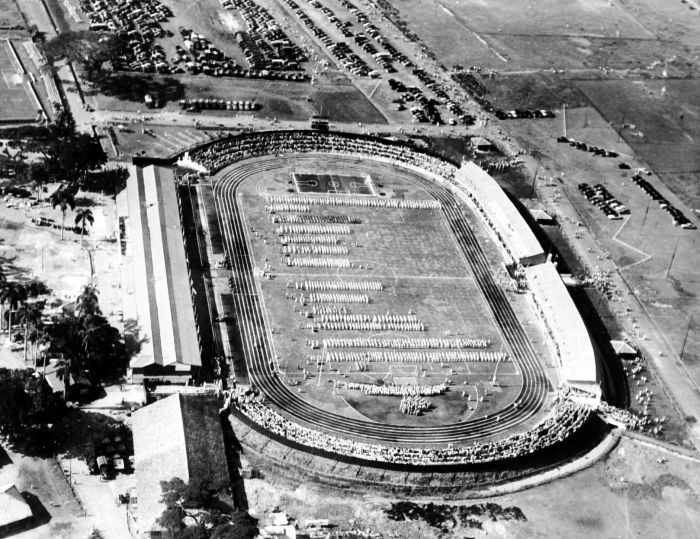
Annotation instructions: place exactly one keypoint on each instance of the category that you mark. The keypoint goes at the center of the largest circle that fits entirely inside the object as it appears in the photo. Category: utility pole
(673, 256)
(687, 332)
(534, 178)
(563, 111)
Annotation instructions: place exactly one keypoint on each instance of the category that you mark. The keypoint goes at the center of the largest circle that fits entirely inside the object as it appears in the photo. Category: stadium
(388, 306)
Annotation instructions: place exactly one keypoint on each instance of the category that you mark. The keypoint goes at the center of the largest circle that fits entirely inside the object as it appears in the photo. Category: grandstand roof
(161, 278)
(577, 356)
(505, 216)
(179, 436)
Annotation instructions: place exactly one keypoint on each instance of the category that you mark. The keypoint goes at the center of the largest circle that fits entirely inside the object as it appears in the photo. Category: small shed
(481, 145)
(624, 350)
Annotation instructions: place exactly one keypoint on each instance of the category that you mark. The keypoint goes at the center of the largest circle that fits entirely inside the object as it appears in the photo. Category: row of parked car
(599, 195)
(523, 113)
(264, 44)
(194, 104)
(602, 152)
(679, 218)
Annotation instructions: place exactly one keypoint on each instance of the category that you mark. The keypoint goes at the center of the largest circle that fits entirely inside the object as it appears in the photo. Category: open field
(496, 34)
(663, 126)
(10, 17)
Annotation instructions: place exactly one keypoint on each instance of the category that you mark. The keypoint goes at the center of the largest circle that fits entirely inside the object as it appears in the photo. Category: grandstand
(156, 280)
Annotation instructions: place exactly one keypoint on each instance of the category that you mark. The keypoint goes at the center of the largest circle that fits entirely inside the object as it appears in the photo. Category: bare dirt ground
(639, 490)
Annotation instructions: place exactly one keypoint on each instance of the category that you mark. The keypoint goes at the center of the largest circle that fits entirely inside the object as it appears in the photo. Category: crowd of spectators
(565, 418)
(224, 152)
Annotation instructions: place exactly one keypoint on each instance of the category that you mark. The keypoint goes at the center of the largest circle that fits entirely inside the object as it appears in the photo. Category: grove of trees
(198, 510)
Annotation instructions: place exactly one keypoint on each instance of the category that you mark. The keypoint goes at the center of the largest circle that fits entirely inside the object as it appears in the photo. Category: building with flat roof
(156, 280)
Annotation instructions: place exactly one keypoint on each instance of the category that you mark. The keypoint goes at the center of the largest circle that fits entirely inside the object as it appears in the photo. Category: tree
(87, 303)
(199, 504)
(64, 199)
(26, 403)
(3, 283)
(13, 294)
(29, 314)
(83, 217)
(89, 49)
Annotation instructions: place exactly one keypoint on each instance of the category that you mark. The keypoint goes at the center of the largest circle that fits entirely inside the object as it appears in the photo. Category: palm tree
(83, 217)
(30, 315)
(64, 199)
(3, 283)
(13, 294)
(86, 303)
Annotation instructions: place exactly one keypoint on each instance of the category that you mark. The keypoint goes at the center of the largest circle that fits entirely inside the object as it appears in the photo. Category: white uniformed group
(316, 239)
(311, 228)
(413, 404)
(368, 326)
(313, 218)
(438, 356)
(350, 200)
(353, 286)
(315, 262)
(287, 206)
(314, 249)
(398, 391)
(398, 343)
(333, 297)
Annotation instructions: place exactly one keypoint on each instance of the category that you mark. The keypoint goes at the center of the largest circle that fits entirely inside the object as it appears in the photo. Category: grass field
(10, 17)
(414, 255)
(15, 103)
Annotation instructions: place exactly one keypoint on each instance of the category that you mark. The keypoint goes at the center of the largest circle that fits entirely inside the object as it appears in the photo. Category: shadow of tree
(132, 87)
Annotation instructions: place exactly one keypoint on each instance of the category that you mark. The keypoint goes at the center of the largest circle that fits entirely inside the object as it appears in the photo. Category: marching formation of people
(442, 356)
(310, 238)
(355, 200)
(367, 326)
(398, 391)
(314, 249)
(313, 218)
(311, 228)
(312, 262)
(325, 297)
(286, 207)
(377, 318)
(399, 343)
(565, 418)
(413, 404)
(335, 286)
